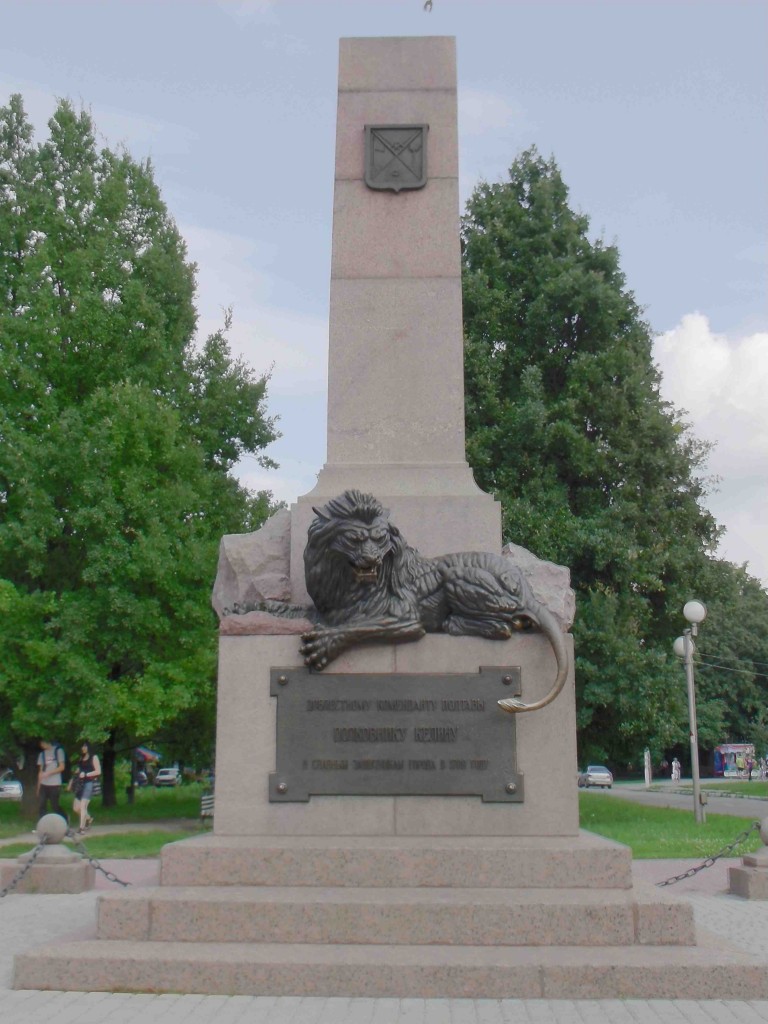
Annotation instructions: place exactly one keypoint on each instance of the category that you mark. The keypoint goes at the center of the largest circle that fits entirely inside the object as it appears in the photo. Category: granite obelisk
(395, 366)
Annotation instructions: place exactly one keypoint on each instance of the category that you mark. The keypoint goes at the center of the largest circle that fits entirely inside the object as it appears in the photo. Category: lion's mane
(328, 577)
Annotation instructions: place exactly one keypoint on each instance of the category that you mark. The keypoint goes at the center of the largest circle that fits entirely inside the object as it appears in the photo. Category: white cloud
(497, 128)
(290, 481)
(114, 125)
(139, 134)
(39, 104)
(722, 384)
(236, 271)
(481, 111)
(289, 45)
(230, 268)
(260, 11)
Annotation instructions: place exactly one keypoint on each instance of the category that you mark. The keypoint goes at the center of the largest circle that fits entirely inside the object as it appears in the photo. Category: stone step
(465, 917)
(586, 861)
(708, 971)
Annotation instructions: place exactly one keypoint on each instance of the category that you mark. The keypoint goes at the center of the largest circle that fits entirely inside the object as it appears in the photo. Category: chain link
(20, 874)
(742, 836)
(109, 875)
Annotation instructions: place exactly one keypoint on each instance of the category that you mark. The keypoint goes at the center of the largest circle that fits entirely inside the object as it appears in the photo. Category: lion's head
(352, 554)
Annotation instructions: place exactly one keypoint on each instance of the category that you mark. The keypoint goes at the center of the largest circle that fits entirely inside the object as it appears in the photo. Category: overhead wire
(727, 668)
(729, 657)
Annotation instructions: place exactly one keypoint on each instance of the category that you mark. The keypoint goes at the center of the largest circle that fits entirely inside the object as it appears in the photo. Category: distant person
(84, 776)
(675, 770)
(50, 765)
(749, 767)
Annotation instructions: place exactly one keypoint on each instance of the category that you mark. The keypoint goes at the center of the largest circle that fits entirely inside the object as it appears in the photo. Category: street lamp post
(695, 612)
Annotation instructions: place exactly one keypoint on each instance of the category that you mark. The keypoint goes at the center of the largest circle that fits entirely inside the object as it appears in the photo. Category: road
(740, 807)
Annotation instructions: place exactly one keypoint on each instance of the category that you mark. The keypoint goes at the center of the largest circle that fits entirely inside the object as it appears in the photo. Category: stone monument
(384, 826)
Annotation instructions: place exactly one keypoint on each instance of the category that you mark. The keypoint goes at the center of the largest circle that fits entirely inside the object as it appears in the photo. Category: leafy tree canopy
(565, 424)
(117, 438)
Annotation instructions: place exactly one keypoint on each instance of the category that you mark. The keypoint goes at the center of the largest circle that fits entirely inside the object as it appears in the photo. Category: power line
(727, 668)
(729, 657)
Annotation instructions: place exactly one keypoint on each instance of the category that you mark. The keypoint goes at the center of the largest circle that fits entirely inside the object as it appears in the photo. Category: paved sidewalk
(668, 794)
(182, 825)
(29, 921)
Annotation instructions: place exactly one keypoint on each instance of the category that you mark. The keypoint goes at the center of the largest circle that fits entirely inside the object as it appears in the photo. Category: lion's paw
(319, 647)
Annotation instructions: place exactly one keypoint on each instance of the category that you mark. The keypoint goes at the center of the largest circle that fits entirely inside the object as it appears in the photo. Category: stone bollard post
(750, 880)
(56, 869)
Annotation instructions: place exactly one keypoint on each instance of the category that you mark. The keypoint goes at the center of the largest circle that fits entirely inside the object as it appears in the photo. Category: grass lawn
(662, 831)
(150, 804)
(122, 844)
(650, 832)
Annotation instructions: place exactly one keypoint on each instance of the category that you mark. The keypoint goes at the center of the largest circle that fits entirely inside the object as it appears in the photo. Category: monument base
(396, 896)
(399, 917)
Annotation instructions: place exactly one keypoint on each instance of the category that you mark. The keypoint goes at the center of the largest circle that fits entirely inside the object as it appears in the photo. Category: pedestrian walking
(84, 776)
(50, 764)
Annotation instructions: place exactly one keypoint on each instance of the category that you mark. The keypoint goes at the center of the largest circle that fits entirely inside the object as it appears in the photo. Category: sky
(655, 111)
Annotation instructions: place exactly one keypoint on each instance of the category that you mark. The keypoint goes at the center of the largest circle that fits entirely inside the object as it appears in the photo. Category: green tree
(732, 658)
(117, 440)
(566, 426)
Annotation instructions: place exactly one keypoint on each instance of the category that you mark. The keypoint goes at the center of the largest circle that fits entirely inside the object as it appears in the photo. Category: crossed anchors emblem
(395, 156)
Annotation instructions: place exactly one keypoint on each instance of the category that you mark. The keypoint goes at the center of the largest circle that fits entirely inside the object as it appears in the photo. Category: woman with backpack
(84, 776)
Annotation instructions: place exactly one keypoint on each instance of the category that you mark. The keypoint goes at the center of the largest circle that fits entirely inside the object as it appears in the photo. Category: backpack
(66, 771)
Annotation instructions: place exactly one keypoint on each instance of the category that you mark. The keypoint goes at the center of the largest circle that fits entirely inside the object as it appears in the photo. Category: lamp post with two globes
(695, 612)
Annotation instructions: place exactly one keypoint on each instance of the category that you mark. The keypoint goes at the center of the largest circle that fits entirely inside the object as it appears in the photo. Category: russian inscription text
(369, 740)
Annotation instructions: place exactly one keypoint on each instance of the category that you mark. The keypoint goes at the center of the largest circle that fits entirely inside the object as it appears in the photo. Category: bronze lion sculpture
(368, 585)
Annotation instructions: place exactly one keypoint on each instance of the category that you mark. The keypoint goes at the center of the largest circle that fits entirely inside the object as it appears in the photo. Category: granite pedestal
(396, 896)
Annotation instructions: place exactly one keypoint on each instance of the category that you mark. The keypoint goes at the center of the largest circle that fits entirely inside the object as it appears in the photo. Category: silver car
(168, 777)
(595, 775)
(10, 787)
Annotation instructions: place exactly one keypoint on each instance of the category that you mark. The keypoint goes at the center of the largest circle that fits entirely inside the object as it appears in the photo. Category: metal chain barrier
(22, 871)
(742, 837)
(109, 875)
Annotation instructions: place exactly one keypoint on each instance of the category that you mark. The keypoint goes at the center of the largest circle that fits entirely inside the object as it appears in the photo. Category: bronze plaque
(396, 156)
(395, 735)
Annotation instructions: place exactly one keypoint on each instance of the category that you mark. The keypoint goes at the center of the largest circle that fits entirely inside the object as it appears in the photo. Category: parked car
(10, 787)
(168, 777)
(595, 775)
